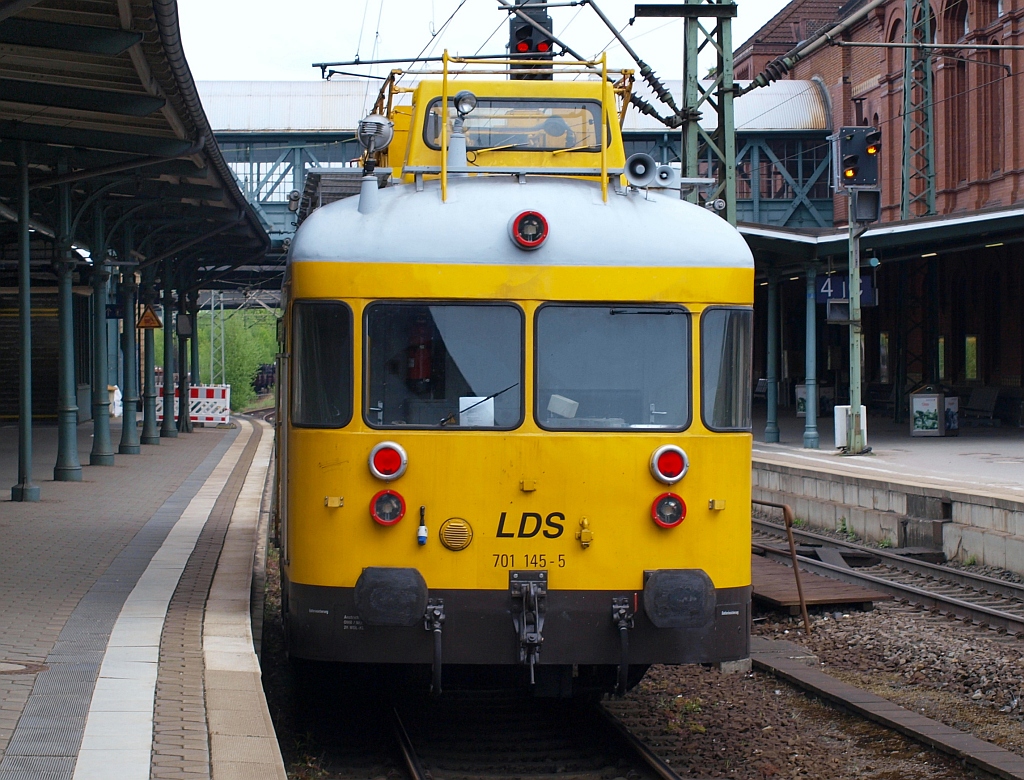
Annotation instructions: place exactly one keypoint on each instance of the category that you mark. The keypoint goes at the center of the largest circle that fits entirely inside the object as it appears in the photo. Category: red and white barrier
(209, 404)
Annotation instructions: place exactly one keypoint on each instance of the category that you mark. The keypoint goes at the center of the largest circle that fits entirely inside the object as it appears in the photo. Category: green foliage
(250, 339)
(971, 560)
(799, 522)
(885, 543)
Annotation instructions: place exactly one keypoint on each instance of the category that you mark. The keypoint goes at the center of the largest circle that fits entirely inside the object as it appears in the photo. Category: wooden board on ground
(775, 585)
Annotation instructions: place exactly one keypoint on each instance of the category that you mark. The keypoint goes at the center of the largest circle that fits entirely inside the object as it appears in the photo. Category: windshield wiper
(450, 417)
(646, 311)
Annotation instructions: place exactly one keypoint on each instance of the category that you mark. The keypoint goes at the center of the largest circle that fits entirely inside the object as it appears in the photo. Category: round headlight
(387, 507)
(465, 102)
(388, 461)
(668, 510)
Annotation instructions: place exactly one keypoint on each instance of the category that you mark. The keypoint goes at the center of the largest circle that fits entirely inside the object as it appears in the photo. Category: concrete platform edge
(240, 745)
(795, 670)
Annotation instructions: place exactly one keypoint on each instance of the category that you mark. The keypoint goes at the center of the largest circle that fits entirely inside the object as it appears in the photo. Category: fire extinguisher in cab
(419, 358)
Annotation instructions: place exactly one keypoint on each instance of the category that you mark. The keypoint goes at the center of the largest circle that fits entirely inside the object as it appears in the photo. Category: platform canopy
(101, 96)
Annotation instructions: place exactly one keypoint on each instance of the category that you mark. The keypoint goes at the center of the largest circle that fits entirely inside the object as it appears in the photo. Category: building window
(971, 357)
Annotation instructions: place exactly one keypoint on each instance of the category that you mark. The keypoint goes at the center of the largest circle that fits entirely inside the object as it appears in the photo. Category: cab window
(321, 364)
(449, 366)
(725, 345)
(613, 367)
(516, 124)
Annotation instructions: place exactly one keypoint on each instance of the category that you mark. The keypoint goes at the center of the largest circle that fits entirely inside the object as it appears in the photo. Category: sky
(279, 39)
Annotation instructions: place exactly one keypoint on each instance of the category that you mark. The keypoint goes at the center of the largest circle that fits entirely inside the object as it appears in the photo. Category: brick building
(949, 283)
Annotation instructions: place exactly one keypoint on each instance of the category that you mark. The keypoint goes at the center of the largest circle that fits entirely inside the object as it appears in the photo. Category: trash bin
(952, 415)
(927, 413)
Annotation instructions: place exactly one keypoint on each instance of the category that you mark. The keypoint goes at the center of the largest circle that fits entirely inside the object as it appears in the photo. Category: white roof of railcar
(641, 229)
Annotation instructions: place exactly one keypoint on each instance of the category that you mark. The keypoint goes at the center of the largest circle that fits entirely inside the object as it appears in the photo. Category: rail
(787, 517)
(980, 613)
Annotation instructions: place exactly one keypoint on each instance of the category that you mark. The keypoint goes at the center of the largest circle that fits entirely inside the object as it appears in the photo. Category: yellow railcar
(514, 408)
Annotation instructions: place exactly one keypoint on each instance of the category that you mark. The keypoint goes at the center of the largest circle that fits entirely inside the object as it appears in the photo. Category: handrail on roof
(621, 88)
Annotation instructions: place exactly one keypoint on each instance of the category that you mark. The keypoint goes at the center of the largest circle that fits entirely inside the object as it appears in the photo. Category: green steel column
(168, 429)
(193, 308)
(102, 448)
(854, 440)
(24, 490)
(771, 428)
(691, 98)
(150, 429)
(725, 134)
(129, 421)
(720, 146)
(68, 467)
(811, 364)
(184, 386)
(918, 169)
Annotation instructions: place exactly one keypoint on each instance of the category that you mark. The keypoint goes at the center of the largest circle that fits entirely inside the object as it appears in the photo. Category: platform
(962, 495)
(774, 584)
(125, 637)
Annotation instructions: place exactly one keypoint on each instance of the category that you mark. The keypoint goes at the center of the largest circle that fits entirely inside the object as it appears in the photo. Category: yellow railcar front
(514, 423)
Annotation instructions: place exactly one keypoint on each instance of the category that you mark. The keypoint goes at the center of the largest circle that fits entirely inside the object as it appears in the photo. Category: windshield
(444, 365)
(604, 367)
(532, 125)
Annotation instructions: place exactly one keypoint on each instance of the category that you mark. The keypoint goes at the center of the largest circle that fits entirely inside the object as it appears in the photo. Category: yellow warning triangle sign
(149, 319)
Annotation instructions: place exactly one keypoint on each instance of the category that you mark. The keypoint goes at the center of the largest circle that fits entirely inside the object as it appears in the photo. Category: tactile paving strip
(48, 748)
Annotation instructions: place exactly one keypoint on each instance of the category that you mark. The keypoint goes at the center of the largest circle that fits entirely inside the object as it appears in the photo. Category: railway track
(985, 601)
(498, 734)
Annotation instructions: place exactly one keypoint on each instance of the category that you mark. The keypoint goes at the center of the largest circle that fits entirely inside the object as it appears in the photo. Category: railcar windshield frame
(559, 406)
(490, 398)
(553, 126)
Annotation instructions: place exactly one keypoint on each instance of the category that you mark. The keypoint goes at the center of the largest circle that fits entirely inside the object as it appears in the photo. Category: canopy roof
(101, 95)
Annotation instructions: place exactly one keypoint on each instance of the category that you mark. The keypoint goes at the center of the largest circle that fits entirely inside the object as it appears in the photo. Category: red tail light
(668, 510)
(387, 507)
(388, 461)
(669, 464)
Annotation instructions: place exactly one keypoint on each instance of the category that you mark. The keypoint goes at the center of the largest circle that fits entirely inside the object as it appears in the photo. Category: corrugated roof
(287, 106)
(785, 105)
(338, 105)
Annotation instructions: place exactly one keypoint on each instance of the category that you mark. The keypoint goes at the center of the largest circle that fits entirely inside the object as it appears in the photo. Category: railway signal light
(526, 42)
(858, 151)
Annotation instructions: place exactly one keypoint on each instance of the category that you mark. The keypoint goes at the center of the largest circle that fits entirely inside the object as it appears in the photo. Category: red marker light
(388, 461)
(544, 46)
(669, 464)
(528, 229)
(522, 46)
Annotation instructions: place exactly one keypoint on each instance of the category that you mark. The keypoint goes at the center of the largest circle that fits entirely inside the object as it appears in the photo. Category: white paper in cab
(479, 416)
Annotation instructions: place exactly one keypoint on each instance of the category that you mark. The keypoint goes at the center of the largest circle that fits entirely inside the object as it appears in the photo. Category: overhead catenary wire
(646, 72)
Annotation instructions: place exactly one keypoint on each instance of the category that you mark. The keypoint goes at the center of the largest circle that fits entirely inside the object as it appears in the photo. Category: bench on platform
(981, 406)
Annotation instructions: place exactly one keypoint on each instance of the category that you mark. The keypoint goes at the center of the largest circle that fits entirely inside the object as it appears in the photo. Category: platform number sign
(836, 286)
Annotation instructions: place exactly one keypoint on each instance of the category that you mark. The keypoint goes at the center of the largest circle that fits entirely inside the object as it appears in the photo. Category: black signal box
(859, 149)
(526, 42)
